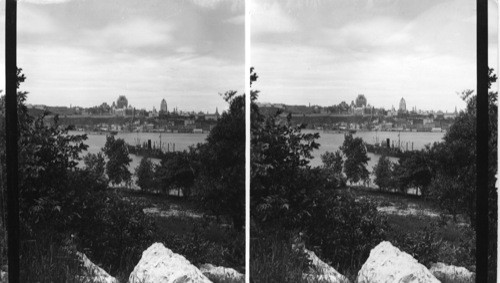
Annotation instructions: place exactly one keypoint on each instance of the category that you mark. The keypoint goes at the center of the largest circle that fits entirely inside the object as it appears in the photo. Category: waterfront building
(402, 105)
(361, 100)
(163, 106)
(122, 102)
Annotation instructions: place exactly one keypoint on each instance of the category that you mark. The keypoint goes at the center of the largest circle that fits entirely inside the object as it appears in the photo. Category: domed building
(361, 100)
(402, 105)
(122, 102)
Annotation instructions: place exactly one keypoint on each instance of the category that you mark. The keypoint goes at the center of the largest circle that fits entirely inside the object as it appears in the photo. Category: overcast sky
(85, 52)
(324, 52)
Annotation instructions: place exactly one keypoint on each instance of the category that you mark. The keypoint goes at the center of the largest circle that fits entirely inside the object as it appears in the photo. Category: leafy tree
(456, 160)
(145, 173)
(356, 159)
(118, 160)
(333, 165)
(333, 161)
(288, 195)
(415, 170)
(383, 173)
(96, 165)
(176, 171)
(222, 176)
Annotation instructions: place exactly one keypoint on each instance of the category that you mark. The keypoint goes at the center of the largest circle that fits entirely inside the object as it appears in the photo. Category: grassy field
(186, 230)
(420, 228)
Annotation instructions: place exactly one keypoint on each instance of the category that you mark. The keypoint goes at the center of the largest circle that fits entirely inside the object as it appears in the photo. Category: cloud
(237, 20)
(131, 34)
(32, 22)
(269, 17)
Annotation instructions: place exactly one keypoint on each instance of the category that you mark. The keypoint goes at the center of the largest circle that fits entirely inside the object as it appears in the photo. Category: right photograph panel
(363, 126)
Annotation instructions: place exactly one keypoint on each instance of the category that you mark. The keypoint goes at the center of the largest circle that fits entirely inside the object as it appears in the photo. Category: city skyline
(323, 52)
(88, 52)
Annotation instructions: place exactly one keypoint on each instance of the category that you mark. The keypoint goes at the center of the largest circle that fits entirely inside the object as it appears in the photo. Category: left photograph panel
(131, 141)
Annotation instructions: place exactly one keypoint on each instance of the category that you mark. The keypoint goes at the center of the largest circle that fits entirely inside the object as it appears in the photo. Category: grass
(272, 259)
(428, 239)
(200, 240)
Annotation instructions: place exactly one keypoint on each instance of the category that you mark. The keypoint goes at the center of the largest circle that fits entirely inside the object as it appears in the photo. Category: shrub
(424, 244)
(344, 229)
(145, 173)
(273, 259)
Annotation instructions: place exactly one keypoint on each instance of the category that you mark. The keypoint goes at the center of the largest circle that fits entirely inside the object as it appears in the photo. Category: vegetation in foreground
(292, 197)
(66, 208)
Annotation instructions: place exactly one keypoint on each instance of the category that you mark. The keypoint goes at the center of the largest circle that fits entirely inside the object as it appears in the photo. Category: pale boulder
(160, 265)
(93, 273)
(452, 274)
(387, 263)
(219, 274)
(320, 272)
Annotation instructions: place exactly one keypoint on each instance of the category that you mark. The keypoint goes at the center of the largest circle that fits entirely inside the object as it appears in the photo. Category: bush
(424, 244)
(383, 173)
(344, 229)
(145, 173)
(273, 259)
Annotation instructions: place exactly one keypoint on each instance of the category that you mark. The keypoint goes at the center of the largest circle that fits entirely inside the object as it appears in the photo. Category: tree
(222, 176)
(356, 159)
(414, 170)
(145, 173)
(176, 171)
(333, 165)
(118, 160)
(383, 173)
(96, 165)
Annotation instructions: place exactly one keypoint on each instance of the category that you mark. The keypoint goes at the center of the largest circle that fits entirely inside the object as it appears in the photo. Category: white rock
(321, 272)
(160, 265)
(387, 263)
(452, 274)
(219, 274)
(4, 277)
(92, 272)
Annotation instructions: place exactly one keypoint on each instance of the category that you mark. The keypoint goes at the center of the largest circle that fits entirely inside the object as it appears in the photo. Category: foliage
(118, 160)
(355, 152)
(383, 173)
(288, 195)
(414, 170)
(145, 173)
(333, 166)
(222, 177)
(202, 241)
(176, 170)
(273, 258)
(344, 229)
(423, 245)
(96, 165)
(65, 208)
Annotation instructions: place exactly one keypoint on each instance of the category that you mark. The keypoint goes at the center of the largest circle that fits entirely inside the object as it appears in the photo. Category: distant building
(402, 105)
(122, 102)
(361, 100)
(163, 106)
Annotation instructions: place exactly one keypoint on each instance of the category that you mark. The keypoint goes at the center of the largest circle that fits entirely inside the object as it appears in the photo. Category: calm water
(332, 141)
(328, 142)
(181, 141)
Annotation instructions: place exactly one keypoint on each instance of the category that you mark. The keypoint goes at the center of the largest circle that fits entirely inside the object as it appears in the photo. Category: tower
(163, 105)
(402, 105)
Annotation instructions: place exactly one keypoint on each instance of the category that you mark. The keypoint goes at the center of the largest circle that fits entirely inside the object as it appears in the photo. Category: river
(328, 142)
(168, 140)
(332, 141)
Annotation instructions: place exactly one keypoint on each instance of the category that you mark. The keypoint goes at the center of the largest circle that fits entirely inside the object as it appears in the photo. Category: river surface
(332, 141)
(179, 141)
(328, 141)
